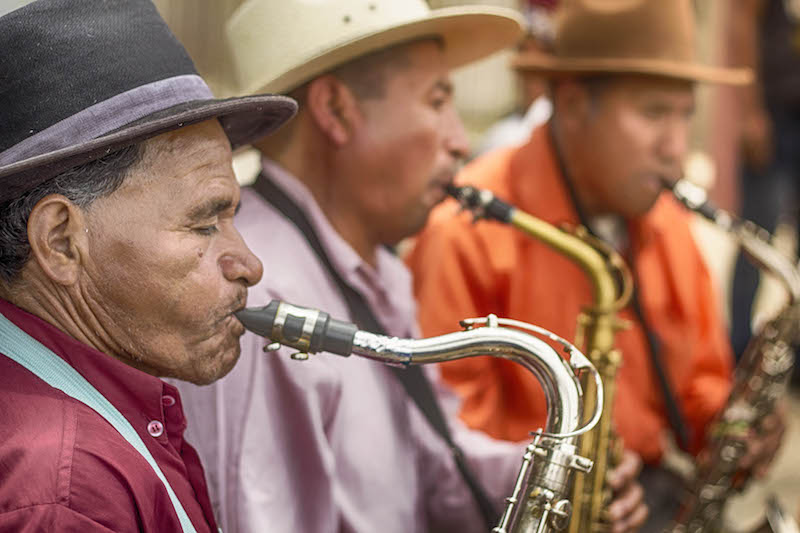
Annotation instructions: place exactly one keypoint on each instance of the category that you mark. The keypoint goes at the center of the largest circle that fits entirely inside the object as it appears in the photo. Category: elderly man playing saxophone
(119, 264)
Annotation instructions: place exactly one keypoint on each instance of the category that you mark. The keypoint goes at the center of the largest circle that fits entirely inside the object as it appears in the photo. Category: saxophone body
(597, 325)
(539, 501)
(759, 379)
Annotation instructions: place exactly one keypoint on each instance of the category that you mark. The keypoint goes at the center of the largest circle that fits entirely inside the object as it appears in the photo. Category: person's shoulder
(488, 167)
(41, 432)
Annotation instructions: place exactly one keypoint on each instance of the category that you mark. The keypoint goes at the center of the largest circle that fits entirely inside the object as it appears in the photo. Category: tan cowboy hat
(277, 45)
(627, 36)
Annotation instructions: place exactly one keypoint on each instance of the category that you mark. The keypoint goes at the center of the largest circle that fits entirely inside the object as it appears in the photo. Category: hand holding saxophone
(627, 512)
(763, 446)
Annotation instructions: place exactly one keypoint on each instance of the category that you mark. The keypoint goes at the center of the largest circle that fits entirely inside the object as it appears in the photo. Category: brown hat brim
(243, 119)
(550, 65)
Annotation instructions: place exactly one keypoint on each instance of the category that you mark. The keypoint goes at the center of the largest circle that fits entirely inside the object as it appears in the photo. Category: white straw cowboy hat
(277, 45)
(655, 37)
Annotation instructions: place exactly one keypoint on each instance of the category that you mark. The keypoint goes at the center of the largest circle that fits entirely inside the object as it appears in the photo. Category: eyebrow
(212, 208)
(444, 85)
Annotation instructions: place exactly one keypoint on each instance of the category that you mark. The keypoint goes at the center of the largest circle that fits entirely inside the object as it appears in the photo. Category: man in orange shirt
(622, 82)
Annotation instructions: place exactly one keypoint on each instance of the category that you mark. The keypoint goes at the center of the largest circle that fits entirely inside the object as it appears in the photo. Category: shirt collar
(136, 394)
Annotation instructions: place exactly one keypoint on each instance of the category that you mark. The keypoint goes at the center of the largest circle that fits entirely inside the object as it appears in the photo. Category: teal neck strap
(28, 352)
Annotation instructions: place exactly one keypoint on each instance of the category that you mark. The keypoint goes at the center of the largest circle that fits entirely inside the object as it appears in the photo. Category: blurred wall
(199, 24)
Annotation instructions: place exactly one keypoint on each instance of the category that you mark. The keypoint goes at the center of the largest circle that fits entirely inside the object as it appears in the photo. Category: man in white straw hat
(622, 83)
(338, 444)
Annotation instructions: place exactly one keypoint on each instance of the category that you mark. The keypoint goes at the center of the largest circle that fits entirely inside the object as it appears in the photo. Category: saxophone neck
(312, 331)
(754, 240)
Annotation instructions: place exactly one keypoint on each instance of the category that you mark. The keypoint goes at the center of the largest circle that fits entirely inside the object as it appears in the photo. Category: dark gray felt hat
(80, 79)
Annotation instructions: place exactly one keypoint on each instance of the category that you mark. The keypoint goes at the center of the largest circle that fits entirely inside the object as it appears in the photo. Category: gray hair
(81, 185)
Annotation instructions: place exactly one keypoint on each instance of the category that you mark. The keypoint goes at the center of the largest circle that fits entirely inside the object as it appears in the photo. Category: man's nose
(241, 264)
(674, 143)
(456, 140)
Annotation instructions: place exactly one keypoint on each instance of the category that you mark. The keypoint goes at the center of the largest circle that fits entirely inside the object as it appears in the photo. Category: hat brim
(550, 65)
(243, 119)
(468, 33)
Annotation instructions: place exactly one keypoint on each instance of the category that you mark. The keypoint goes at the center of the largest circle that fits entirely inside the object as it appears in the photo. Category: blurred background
(490, 90)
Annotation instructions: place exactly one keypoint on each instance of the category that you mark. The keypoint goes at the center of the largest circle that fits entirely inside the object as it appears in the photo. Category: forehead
(182, 165)
(637, 88)
(419, 61)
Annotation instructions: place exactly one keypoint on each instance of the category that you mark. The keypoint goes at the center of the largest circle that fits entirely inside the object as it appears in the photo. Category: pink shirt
(65, 468)
(331, 444)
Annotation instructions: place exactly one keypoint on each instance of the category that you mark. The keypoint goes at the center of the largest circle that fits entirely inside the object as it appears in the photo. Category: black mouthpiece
(482, 203)
(302, 328)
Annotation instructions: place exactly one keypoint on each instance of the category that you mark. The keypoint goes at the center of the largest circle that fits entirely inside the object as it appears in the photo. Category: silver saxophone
(759, 381)
(539, 501)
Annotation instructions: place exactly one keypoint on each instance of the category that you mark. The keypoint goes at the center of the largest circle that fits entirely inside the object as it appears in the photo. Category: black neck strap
(674, 413)
(412, 378)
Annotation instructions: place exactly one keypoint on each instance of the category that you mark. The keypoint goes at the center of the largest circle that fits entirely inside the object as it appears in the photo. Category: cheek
(158, 276)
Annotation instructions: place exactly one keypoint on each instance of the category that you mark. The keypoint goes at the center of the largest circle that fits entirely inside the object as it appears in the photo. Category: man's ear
(333, 107)
(572, 103)
(57, 237)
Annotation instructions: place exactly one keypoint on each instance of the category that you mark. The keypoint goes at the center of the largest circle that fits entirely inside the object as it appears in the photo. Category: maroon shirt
(63, 467)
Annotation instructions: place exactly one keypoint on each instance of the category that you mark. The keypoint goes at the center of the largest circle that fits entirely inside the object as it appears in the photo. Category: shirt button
(168, 400)
(155, 428)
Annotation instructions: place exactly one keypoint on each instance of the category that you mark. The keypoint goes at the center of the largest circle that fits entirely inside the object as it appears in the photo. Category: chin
(216, 368)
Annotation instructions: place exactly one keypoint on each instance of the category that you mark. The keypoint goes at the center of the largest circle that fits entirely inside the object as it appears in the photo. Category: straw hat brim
(550, 65)
(468, 33)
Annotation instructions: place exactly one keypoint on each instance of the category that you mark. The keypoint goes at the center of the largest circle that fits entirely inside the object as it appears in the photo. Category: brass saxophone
(612, 285)
(759, 379)
(538, 502)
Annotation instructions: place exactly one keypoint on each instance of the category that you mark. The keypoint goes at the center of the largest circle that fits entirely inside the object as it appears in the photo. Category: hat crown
(87, 53)
(626, 29)
(326, 25)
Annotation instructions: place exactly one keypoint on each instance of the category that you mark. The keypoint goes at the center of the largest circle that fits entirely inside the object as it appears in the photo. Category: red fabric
(64, 468)
(465, 270)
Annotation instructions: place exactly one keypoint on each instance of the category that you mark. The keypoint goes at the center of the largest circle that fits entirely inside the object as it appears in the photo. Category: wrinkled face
(633, 134)
(167, 267)
(408, 145)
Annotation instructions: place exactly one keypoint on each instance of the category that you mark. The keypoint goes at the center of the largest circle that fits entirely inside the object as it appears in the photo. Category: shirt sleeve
(55, 517)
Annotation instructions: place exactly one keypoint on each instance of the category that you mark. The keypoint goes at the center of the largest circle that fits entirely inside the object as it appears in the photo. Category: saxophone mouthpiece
(259, 320)
(668, 184)
(303, 328)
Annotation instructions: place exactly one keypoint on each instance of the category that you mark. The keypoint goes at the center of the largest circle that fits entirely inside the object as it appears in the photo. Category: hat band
(109, 115)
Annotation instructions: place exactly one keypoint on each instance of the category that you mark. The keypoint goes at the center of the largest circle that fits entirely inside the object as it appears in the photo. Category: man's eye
(206, 230)
(438, 103)
(654, 112)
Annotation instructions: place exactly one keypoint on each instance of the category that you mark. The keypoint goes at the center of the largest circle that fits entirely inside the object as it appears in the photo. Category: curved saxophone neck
(754, 240)
(611, 280)
(312, 331)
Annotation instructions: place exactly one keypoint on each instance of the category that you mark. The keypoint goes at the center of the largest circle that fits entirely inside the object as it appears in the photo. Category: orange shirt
(465, 270)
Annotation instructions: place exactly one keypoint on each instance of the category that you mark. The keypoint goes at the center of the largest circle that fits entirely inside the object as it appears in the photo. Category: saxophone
(537, 503)
(759, 379)
(612, 285)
